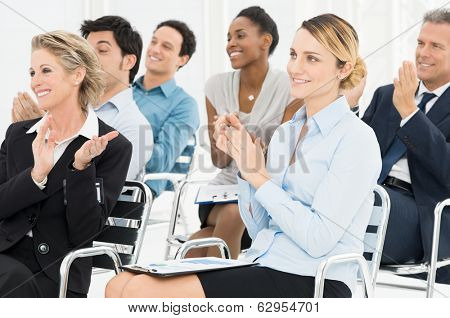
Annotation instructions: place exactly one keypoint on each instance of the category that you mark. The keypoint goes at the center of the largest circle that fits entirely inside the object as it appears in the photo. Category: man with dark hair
(411, 120)
(118, 47)
(128, 39)
(172, 113)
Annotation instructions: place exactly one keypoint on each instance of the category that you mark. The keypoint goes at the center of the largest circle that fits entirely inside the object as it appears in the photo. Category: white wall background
(387, 30)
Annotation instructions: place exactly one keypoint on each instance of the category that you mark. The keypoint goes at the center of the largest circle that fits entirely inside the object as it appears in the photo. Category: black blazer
(427, 138)
(66, 215)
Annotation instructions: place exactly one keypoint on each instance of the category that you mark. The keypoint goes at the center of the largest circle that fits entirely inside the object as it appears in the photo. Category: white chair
(427, 267)
(177, 176)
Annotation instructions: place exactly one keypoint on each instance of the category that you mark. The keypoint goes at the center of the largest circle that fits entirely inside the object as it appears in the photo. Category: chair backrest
(376, 231)
(184, 161)
(125, 228)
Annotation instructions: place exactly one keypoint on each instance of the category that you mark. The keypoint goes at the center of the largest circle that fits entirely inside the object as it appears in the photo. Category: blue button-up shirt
(122, 113)
(321, 204)
(173, 115)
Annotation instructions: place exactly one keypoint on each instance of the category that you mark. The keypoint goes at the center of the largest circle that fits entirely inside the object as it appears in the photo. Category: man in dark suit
(412, 122)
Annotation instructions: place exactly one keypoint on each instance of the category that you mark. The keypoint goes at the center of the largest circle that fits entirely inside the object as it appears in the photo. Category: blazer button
(43, 248)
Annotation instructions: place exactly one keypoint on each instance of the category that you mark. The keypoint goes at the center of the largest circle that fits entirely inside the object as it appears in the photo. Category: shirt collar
(300, 114)
(438, 91)
(167, 87)
(328, 117)
(89, 128)
(121, 99)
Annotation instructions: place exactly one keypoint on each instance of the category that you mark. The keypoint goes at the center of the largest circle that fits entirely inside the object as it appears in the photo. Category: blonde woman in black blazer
(49, 168)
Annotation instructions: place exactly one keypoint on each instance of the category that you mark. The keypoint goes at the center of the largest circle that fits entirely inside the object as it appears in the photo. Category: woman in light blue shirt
(312, 199)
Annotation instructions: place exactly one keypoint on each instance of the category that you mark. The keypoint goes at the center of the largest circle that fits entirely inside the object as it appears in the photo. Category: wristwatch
(355, 109)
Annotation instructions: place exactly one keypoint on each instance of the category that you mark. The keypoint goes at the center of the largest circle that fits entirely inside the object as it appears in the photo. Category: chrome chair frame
(202, 243)
(373, 244)
(106, 248)
(174, 178)
(379, 218)
(426, 267)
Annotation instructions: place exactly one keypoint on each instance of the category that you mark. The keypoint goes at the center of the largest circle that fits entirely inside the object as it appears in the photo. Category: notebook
(186, 266)
(217, 194)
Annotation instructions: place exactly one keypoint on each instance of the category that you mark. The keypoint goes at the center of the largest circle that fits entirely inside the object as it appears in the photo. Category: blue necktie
(398, 149)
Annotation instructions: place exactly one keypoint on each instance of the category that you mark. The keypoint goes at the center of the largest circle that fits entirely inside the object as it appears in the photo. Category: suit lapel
(441, 108)
(23, 158)
(393, 125)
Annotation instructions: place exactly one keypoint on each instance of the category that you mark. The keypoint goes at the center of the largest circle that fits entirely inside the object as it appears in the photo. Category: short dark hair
(266, 24)
(128, 39)
(189, 42)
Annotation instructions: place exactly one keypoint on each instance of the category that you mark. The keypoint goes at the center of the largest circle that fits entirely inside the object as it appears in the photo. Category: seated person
(411, 121)
(259, 94)
(119, 50)
(49, 168)
(314, 196)
(172, 113)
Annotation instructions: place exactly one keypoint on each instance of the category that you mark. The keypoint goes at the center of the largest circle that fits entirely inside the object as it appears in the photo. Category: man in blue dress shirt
(172, 113)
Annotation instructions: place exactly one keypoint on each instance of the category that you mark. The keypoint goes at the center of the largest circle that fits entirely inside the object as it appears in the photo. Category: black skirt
(263, 282)
(203, 212)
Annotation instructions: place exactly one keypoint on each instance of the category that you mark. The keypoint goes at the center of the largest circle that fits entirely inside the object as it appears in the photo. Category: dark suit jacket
(66, 215)
(427, 138)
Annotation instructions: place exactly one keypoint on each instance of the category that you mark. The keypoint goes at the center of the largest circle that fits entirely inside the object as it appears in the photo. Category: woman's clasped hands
(246, 149)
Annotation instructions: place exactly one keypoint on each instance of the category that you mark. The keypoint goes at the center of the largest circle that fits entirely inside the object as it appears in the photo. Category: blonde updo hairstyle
(73, 52)
(341, 39)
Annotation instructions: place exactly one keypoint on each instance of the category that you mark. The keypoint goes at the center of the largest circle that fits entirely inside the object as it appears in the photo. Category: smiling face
(51, 84)
(163, 52)
(110, 57)
(433, 54)
(312, 68)
(245, 42)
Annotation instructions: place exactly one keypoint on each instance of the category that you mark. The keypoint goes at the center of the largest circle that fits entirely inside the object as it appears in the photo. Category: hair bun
(359, 71)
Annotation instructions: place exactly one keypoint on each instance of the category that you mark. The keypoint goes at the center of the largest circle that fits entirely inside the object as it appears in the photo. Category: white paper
(217, 194)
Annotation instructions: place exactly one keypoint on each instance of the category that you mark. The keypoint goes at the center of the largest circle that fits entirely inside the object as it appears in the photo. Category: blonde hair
(341, 39)
(73, 51)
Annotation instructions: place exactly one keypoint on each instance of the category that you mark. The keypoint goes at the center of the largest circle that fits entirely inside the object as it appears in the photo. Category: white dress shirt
(122, 114)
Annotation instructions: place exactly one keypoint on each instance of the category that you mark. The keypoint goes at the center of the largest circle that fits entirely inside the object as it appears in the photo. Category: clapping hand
(43, 150)
(25, 108)
(247, 154)
(91, 149)
(405, 87)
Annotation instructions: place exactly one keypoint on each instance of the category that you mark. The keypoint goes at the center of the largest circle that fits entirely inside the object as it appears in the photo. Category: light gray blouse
(222, 90)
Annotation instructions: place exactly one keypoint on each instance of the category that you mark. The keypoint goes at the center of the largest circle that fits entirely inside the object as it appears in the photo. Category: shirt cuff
(244, 189)
(267, 192)
(405, 120)
(41, 185)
